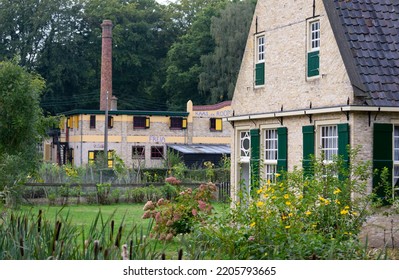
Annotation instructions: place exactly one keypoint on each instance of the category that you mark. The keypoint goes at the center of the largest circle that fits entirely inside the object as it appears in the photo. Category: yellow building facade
(139, 138)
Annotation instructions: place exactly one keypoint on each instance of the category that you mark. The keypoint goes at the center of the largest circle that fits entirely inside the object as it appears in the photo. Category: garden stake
(21, 246)
(39, 221)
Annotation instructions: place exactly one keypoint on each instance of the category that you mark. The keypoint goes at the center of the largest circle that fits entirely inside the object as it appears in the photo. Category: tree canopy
(163, 55)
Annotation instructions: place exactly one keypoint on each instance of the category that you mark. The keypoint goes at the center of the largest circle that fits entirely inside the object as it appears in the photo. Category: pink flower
(149, 206)
(176, 217)
(202, 205)
(169, 237)
(158, 217)
(161, 202)
(173, 181)
(169, 223)
(251, 238)
(194, 212)
(146, 215)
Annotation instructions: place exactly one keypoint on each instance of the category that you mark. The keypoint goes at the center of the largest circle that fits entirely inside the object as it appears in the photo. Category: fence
(49, 192)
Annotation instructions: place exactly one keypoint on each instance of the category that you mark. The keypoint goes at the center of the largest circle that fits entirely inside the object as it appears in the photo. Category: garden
(312, 215)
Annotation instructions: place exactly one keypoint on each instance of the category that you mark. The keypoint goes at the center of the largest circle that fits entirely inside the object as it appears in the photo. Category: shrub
(180, 215)
(297, 217)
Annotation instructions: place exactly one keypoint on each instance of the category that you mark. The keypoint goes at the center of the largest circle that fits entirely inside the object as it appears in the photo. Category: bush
(180, 215)
(297, 217)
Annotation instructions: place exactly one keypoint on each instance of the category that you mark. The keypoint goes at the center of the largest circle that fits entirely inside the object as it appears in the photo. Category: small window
(313, 56)
(110, 122)
(140, 122)
(69, 122)
(245, 145)
(93, 156)
(92, 122)
(216, 124)
(329, 142)
(178, 123)
(260, 61)
(157, 152)
(138, 152)
(314, 36)
(271, 153)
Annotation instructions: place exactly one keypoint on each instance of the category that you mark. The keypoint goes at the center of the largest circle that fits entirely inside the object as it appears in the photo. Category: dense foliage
(157, 49)
(22, 126)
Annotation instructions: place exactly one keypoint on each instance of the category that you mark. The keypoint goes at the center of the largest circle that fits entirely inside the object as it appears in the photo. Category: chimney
(106, 65)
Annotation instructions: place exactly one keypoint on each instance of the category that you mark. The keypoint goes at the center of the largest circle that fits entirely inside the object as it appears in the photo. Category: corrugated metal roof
(201, 148)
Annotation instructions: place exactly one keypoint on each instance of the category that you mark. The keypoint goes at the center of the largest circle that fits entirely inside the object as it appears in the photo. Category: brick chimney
(106, 65)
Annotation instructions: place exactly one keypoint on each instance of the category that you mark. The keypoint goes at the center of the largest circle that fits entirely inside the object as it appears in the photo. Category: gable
(286, 86)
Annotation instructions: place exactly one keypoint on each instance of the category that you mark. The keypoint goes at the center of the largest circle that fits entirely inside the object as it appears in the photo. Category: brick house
(316, 76)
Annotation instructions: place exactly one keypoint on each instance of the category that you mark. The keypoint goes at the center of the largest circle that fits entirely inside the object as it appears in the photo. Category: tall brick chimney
(106, 65)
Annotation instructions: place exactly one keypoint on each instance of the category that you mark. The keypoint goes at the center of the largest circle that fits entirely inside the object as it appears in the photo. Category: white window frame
(260, 48)
(314, 36)
(270, 156)
(328, 142)
(244, 154)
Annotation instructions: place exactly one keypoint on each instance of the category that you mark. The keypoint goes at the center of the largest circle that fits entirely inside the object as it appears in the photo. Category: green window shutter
(308, 148)
(382, 153)
(255, 155)
(282, 163)
(313, 64)
(343, 140)
(260, 74)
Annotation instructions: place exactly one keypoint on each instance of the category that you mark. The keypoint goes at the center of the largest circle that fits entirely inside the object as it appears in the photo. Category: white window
(245, 145)
(329, 142)
(271, 154)
(261, 49)
(396, 157)
(314, 32)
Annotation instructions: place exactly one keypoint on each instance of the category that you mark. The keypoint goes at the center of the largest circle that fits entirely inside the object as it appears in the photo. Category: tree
(184, 59)
(220, 68)
(22, 124)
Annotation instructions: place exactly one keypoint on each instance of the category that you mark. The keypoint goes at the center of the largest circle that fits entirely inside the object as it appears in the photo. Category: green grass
(84, 215)
(128, 214)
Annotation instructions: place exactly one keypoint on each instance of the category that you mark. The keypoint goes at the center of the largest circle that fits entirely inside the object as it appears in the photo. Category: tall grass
(32, 236)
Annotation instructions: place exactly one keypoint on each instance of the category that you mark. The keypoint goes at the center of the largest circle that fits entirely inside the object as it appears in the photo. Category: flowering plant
(178, 216)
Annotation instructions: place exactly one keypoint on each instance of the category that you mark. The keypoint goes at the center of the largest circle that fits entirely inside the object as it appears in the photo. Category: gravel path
(380, 230)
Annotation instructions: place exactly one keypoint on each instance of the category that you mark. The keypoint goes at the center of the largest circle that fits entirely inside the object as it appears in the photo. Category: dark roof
(126, 112)
(367, 33)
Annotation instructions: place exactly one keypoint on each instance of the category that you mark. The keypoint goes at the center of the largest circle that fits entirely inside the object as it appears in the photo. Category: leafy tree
(220, 68)
(183, 59)
(22, 124)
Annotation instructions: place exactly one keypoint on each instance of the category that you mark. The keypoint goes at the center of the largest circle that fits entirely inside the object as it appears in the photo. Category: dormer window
(260, 61)
(313, 57)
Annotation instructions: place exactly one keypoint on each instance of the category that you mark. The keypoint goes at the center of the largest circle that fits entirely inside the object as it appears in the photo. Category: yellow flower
(290, 214)
(286, 196)
(287, 227)
(337, 201)
(347, 207)
(344, 212)
(265, 195)
(274, 197)
(287, 203)
(307, 213)
(259, 203)
(268, 182)
(355, 213)
(283, 217)
(300, 196)
(337, 191)
(278, 175)
(259, 191)
(252, 224)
